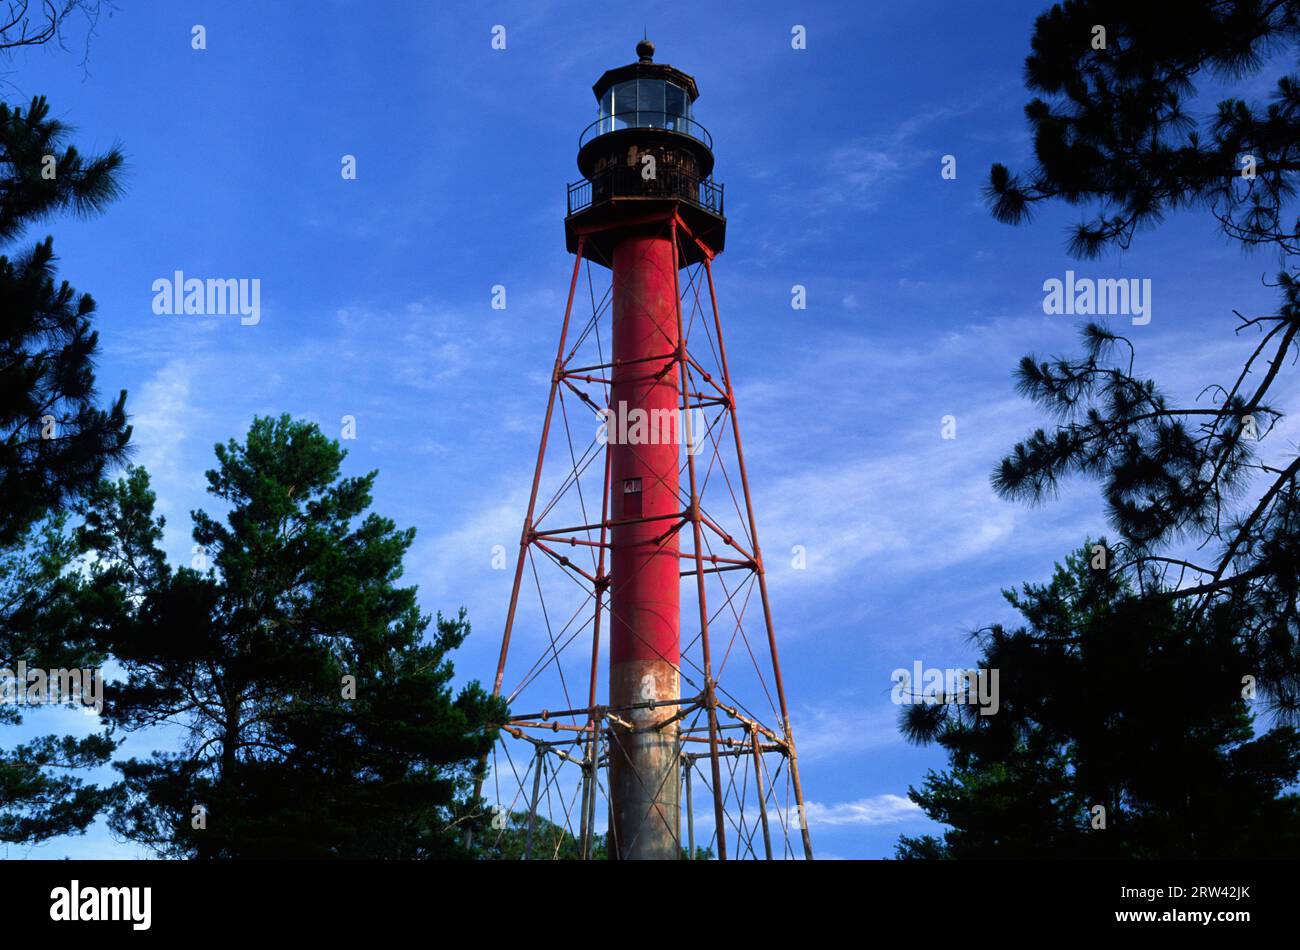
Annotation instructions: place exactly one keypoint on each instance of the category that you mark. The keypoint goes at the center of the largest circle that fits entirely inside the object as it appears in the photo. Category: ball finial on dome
(646, 50)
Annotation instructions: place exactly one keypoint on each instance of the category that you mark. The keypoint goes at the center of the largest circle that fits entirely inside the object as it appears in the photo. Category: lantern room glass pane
(606, 110)
(646, 103)
(623, 107)
(650, 103)
(677, 105)
(676, 101)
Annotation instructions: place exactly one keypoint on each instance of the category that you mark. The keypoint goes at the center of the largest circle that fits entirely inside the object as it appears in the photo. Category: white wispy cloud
(858, 170)
(887, 809)
(849, 727)
(163, 419)
(458, 561)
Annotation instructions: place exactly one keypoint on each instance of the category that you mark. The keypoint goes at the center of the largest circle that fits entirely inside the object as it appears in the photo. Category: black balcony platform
(620, 201)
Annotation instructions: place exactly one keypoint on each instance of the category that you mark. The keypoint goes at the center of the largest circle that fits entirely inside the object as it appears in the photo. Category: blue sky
(376, 300)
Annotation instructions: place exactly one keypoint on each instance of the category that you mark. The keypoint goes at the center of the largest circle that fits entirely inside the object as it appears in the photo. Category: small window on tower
(631, 498)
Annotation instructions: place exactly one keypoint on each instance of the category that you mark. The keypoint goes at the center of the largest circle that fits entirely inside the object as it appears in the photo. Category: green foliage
(55, 444)
(507, 840)
(320, 716)
(55, 441)
(1114, 130)
(1108, 698)
(39, 617)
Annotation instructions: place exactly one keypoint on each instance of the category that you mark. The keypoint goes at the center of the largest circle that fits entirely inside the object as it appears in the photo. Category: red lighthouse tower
(645, 504)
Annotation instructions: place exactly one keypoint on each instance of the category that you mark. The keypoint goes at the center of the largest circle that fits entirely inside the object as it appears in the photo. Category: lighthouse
(645, 157)
(681, 759)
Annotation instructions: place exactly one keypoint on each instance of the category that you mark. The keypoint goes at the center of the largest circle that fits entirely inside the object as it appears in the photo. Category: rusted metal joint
(620, 721)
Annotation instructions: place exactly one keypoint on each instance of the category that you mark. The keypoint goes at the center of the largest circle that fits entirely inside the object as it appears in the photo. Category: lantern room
(646, 145)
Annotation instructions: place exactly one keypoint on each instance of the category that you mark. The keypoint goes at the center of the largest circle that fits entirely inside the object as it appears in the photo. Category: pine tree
(1108, 699)
(55, 444)
(40, 795)
(320, 720)
(55, 441)
(508, 840)
(1115, 128)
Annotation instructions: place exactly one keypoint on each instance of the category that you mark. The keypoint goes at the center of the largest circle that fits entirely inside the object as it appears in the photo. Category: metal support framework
(732, 721)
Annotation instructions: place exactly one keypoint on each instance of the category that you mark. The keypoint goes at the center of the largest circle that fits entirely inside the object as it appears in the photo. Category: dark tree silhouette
(55, 444)
(1115, 130)
(508, 839)
(37, 22)
(40, 795)
(1113, 700)
(320, 719)
(55, 441)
